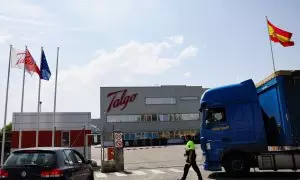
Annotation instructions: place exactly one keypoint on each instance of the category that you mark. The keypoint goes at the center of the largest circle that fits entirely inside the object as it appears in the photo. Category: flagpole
(38, 106)
(271, 46)
(54, 107)
(5, 111)
(22, 99)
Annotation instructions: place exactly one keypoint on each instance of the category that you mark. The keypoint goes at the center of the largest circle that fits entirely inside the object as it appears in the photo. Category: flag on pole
(6, 103)
(17, 58)
(45, 70)
(44, 74)
(21, 57)
(280, 36)
(31, 66)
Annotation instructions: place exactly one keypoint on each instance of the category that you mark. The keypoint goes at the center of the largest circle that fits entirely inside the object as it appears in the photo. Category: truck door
(229, 126)
(214, 130)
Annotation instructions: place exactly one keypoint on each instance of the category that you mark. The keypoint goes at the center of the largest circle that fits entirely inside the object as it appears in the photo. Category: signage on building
(122, 101)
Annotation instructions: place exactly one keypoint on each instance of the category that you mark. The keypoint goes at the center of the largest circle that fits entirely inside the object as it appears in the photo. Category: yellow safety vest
(190, 145)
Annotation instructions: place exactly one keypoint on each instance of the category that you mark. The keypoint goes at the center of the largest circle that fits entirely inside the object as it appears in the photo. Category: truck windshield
(214, 115)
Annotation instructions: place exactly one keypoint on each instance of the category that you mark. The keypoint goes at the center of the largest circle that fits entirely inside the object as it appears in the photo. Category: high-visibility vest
(190, 145)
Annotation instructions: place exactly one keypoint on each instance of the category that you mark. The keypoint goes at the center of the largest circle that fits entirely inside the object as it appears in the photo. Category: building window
(189, 117)
(164, 117)
(154, 117)
(65, 139)
(188, 98)
(113, 119)
(148, 118)
(160, 100)
(124, 118)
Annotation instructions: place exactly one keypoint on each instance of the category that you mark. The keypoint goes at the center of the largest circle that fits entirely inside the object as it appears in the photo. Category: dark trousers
(195, 167)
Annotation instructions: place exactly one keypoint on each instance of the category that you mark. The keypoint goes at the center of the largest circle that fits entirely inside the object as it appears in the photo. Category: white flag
(17, 58)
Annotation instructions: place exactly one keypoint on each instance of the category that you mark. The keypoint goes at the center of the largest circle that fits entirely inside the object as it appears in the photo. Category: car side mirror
(88, 161)
(68, 162)
(91, 162)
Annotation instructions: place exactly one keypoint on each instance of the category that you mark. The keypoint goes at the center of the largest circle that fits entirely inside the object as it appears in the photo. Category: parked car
(47, 163)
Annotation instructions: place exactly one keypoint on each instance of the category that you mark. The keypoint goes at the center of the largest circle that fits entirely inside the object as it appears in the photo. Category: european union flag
(44, 69)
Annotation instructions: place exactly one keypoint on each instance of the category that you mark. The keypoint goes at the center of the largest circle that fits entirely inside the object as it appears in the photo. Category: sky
(205, 43)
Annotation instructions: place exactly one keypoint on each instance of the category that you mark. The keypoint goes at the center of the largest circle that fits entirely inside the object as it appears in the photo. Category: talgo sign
(122, 101)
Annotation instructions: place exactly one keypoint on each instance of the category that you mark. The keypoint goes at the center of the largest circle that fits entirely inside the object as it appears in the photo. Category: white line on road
(120, 174)
(139, 173)
(175, 170)
(157, 171)
(101, 175)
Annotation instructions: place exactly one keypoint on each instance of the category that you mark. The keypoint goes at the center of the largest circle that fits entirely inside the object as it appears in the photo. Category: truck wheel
(236, 164)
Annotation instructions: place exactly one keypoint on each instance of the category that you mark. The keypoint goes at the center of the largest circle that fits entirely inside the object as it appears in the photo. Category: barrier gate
(112, 158)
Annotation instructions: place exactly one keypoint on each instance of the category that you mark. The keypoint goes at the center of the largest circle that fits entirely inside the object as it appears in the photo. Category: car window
(71, 157)
(78, 156)
(31, 158)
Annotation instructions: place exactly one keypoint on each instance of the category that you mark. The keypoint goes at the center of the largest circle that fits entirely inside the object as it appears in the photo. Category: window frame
(76, 153)
(148, 103)
(63, 131)
(218, 122)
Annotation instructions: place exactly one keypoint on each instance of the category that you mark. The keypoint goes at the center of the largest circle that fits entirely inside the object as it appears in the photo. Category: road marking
(175, 170)
(157, 171)
(120, 174)
(139, 173)
(101, 175)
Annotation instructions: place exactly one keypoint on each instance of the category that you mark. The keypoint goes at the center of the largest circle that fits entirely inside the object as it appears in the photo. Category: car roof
(44, 148)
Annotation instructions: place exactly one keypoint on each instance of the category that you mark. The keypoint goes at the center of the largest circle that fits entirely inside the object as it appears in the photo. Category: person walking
(191, 159)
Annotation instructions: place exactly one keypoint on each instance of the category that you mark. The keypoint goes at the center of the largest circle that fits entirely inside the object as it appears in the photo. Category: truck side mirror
(202, 107)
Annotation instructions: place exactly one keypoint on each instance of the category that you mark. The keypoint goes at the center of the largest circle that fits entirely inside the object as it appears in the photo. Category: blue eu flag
(45, 72)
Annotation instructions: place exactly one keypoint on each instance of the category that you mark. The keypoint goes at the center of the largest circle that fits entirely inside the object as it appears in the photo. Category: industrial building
(71, 130)
(150, 115)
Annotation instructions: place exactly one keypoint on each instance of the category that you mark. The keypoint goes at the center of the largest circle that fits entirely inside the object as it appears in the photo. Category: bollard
(119, 158)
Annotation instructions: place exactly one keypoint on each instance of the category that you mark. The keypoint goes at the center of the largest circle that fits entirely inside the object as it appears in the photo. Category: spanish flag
(280, 36)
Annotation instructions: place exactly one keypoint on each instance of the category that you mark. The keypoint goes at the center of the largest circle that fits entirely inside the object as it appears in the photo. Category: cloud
(79, 86)
(22, 9)
(187, 74)
(190, 51)
(176, 39)
(26, 21)
(4, 38)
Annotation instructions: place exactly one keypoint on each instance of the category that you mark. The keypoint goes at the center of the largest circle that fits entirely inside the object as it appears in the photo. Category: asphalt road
(166, 163)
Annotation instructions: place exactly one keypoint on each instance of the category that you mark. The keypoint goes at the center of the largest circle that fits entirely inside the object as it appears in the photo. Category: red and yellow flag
(280, 36)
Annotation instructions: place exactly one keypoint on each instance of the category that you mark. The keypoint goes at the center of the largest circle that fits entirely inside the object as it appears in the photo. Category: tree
(8, 128)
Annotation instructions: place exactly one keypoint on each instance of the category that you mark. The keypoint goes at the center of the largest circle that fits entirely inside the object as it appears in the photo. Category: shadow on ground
(259, 175)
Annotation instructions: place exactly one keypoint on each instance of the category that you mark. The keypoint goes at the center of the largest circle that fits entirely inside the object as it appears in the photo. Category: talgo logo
(120, 102)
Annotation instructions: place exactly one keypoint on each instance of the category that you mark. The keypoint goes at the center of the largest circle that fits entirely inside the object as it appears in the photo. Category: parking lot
(166, 162)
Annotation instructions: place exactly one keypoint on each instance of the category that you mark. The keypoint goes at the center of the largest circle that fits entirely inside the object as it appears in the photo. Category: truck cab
(243, 121)
(232, 125)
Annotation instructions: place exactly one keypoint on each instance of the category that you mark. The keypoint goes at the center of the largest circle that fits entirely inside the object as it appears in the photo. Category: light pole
(40, 106)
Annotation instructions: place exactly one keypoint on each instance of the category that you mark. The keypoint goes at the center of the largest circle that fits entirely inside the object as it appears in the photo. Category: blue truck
(247, 125)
